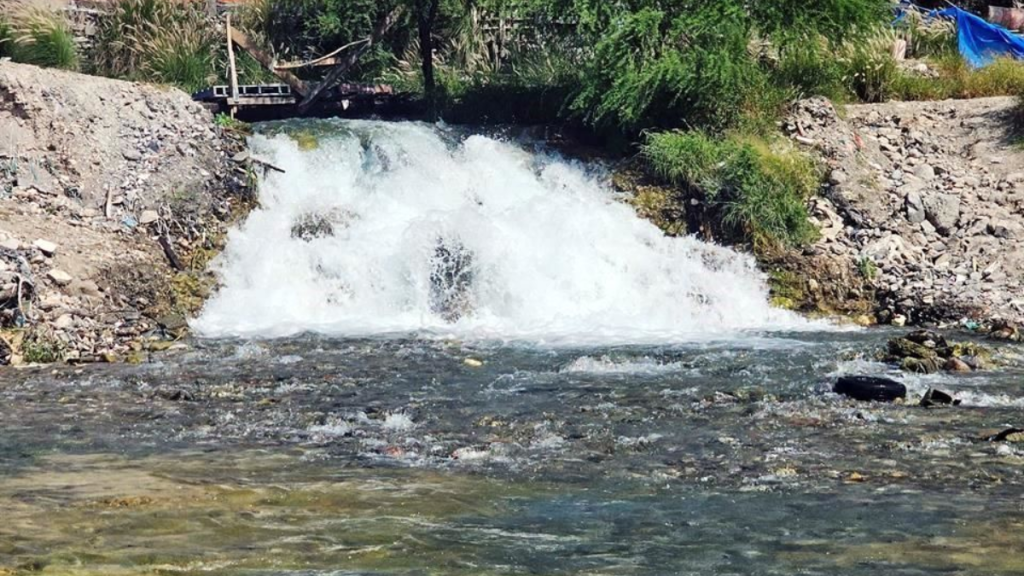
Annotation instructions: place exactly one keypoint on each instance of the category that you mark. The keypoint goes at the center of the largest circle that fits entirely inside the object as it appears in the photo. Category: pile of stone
(100, 180)
(926, 352)
(928, 199)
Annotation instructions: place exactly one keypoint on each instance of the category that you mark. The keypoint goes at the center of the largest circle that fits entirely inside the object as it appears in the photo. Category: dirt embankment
(93, 173)
(926, 201)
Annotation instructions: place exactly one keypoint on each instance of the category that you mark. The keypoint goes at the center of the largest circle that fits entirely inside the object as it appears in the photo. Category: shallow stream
(325, 456)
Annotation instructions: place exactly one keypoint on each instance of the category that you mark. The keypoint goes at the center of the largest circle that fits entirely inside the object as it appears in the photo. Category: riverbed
(420, 455)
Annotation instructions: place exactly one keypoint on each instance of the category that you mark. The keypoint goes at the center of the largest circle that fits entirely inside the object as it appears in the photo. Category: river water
(669, 425)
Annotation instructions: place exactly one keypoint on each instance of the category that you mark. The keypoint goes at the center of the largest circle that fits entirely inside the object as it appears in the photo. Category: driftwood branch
(297, 85)
(266, 165)
(351, 59)
(330, 59)
(172, 256)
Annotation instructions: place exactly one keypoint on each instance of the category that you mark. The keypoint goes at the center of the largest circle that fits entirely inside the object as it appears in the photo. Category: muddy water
(317, 456)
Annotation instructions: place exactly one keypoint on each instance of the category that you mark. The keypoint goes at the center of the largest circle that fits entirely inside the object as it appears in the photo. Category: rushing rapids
(410, 228)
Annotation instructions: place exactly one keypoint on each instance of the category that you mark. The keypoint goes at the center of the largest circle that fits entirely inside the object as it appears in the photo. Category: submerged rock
(927, 352)
(451, 279)
(928, 339)
(870, 388)
(938, 398)
(1005, 331)
(312, 226)
(920, 365)
(906, 348)
(956, 365)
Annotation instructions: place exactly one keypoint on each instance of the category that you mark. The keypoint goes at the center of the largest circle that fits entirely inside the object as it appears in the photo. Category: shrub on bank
(639, 78)
(758, 191)
(159, 41)
(40, 37)
(867, 71)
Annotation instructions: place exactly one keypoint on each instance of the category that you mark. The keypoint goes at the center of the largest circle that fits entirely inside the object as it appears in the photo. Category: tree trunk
(427, 15)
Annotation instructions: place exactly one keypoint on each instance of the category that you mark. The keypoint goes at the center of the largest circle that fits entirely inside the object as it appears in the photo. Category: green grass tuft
(160, 41)
(761, 191)
(40, 349)
(43, 38)
(6, 36)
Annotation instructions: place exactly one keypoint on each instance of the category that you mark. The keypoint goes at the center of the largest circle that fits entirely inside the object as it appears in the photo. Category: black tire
(870, 388)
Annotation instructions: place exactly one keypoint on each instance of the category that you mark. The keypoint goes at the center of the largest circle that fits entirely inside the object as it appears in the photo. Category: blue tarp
(980, 41)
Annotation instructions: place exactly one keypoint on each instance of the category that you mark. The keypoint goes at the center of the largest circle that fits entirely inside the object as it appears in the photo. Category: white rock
(148, 217)
(59, 277)
(46, 247)
(85, 288)
(64, 322)
(924, 172)
(11, 244)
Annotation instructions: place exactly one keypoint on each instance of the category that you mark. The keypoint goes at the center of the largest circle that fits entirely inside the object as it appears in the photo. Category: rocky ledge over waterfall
(112, 197)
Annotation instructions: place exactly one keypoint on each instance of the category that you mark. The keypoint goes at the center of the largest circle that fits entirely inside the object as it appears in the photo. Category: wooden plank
(298, 86)
(261, 101)
(350, 60)
(231, 60)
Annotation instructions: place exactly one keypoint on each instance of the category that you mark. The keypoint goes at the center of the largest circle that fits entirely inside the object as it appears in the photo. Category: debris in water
(473, 362)
(870, 388)
(938, 398)
(1008, 435)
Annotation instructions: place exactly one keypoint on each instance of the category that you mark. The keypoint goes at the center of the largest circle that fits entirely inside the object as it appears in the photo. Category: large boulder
(943, 211)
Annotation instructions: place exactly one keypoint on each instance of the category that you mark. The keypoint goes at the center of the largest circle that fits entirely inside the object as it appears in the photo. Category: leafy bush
(761, 192)
(871, 69)
(304, 29)
(43, 38)
(639, 78)
(115, 54)
(810, 68)
(40, 348)
(927, 38)
(689, 63)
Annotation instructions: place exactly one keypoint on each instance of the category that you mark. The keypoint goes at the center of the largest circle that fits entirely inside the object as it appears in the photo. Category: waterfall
(406, 228)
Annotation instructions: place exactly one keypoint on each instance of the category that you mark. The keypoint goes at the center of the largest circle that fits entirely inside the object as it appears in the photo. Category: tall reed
(41, 37)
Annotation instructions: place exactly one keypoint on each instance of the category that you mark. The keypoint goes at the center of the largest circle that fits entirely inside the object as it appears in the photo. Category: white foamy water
(606, 365)
(547, 252)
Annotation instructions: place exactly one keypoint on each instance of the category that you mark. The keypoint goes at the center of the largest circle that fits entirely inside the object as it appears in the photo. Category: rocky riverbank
(920, 219)
(113, 196)
(926, 201)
